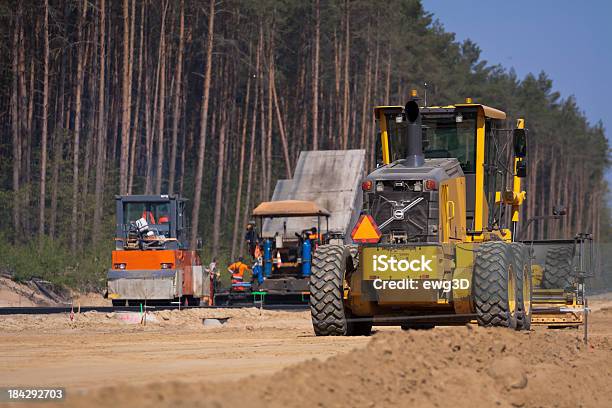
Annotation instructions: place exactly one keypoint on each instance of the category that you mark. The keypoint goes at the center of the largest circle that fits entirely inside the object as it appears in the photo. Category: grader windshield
(445, 135)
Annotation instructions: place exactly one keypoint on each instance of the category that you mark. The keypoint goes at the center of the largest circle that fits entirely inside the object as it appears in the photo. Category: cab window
(451, 136)
(154, 213)
(444, 136)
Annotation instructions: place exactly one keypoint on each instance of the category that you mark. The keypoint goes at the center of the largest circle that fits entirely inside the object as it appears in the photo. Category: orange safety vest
(238, 269)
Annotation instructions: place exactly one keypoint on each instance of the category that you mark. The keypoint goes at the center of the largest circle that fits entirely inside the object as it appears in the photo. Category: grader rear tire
(495, 286)
(522, 266)
(558, 267)
(329, 315)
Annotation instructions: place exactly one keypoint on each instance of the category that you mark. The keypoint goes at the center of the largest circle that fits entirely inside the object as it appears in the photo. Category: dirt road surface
(271, 358)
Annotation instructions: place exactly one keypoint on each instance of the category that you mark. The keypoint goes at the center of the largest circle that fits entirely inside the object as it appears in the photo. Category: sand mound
(459, 367)
(26, 294)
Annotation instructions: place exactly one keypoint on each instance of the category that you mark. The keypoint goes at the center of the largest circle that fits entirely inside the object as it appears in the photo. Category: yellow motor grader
(436, 240)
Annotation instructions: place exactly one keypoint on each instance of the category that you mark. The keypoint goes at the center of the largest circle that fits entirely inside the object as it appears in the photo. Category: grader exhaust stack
(414, 157)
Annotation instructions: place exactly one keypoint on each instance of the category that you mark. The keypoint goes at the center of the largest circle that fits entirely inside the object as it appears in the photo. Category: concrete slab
(331, 178)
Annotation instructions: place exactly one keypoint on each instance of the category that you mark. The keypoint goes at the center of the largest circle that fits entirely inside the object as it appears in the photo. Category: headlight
(166, 266)
(119, 266)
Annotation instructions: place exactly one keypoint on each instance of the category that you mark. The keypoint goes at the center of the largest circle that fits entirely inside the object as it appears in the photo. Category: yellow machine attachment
(557, 307)
(559, 268)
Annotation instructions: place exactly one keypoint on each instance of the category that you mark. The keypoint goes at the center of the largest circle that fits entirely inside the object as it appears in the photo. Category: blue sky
(570, 40)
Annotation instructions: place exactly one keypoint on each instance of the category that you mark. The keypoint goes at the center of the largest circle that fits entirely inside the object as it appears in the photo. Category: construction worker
(313, 236)
(258, 270)
(251, 238)
(214, 275)
(237, 270)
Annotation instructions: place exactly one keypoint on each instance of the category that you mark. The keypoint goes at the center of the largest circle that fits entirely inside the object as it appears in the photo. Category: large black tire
(522, 265)
(329, 315)
(558, 267)
(494, 286)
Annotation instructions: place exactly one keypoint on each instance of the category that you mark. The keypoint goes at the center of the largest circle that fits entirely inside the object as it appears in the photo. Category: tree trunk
(336, 106)
(219, 187)
(388, 79)
(195, 214)
(345, 105)
(178, 85)
(15, 124)
(268, 148)
(150, 171)
(365, 106)
(77, 128)
(45, 113)
(162, 102)
(101, 136)
(136, 137)
(58, 136)
(315, 79)
(90, 139)
(125, 103)
(251, 170)
(552, 188)
(148, 126)
(263, 157)
(26, 150)
(281, 128)
(245, 116)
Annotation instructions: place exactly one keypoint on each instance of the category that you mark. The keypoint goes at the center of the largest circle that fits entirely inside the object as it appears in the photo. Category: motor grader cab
(152, 261)
(287, 232)
(436, 239)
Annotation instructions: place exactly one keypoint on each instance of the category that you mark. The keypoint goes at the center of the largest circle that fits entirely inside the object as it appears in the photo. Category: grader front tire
(329, 315)
(326, 291)
(494, 283)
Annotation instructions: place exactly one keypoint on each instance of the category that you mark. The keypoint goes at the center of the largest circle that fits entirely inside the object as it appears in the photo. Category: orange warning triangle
(366, 230)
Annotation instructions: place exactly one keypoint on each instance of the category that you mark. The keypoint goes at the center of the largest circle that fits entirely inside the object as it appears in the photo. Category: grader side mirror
(199, 244)
(519, 140)
(521, 169)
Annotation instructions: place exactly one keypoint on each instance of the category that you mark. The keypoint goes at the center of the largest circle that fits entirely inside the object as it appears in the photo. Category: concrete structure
(331, 178)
